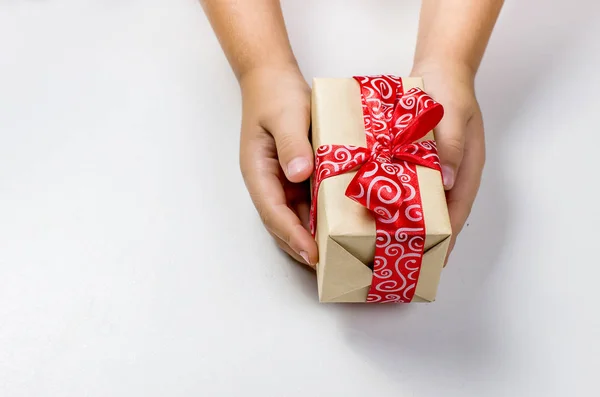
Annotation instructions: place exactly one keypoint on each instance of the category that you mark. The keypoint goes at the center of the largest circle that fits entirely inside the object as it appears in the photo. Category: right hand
(276, 157)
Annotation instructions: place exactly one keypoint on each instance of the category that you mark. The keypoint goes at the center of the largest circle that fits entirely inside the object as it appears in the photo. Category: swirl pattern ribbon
(386, 181)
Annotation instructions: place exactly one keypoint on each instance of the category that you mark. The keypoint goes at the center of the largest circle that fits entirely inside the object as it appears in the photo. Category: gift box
(379, 212)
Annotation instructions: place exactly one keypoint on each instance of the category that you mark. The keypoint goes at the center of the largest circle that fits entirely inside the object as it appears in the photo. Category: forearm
(251, 33)
(455, 33)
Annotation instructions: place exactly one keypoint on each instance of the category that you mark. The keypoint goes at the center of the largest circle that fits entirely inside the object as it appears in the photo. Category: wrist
(265, 67)
(265, 75)
(455, 69)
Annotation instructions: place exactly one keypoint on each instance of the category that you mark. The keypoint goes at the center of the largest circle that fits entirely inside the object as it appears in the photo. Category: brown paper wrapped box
(345, 229)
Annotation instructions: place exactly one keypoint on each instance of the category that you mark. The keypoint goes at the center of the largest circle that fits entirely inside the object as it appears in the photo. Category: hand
(460, 137)
(276, 157)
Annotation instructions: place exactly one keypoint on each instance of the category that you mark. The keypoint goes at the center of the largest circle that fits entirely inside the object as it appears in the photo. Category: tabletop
(132, 262)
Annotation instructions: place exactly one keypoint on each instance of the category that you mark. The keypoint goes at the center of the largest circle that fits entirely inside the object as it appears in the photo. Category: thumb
(290, 131)
(450, 139)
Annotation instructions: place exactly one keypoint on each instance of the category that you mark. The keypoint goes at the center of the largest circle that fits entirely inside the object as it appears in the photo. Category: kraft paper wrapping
(345, 229)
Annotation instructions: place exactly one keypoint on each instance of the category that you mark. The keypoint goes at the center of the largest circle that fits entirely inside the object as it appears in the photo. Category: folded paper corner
(431, 271)
(342, 276)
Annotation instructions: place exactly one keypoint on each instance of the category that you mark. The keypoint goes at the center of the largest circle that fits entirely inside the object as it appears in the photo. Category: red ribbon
(386, 182)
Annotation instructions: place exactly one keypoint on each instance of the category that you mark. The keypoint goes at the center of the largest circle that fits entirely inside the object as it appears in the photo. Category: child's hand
(453, 35)
(459, 136)
(276, 157)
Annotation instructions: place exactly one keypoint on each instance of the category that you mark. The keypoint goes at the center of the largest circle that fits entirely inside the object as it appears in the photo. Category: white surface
(132, 262)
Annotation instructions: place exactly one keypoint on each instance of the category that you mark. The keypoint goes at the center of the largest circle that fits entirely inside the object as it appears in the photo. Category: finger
(461, 197)
(302, 209)
(294, 151)
(286, 248)
(261, 173)
(450, 138)
(286, 225)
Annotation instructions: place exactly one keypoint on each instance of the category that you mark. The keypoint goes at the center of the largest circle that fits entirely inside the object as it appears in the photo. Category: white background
(132, 262)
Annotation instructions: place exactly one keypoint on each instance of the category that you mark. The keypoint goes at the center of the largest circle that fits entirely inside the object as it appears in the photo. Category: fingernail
(447, 177)
(304, 256)
(297, 165)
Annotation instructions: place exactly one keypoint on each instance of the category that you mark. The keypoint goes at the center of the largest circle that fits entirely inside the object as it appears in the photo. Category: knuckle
(282, 246)
(465, 207)
(462, 104)
(277, 240)
(264, 214)
(286, 144)
(243, 168)
(451, 150)
(269, 219)
(285, 236)
(452, 145)
(249, 177)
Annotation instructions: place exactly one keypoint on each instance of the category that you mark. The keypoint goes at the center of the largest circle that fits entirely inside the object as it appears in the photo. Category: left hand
(459, 136)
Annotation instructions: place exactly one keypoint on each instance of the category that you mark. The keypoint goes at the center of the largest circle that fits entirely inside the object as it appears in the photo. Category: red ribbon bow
(386, 182)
